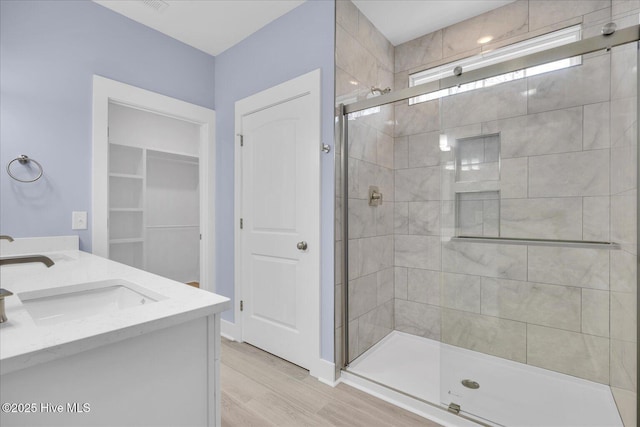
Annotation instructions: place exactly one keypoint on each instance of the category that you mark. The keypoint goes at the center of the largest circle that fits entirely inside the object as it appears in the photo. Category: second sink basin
(57, 305)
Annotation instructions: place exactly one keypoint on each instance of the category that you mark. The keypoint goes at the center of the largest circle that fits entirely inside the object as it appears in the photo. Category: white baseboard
(325, 372)
(229, 330)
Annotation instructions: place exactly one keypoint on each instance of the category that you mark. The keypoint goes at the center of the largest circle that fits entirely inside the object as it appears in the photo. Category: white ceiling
(209, 25)
(213, 26)
(403, 20)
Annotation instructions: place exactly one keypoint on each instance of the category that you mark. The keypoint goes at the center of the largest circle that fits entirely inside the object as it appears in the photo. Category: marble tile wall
(568, 150)
(364, 59)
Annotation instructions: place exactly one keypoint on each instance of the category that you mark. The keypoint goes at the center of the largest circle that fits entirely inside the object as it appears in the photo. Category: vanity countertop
(24, 343)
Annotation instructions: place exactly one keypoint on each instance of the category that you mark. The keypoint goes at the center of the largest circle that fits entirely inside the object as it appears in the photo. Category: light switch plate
(79, 220)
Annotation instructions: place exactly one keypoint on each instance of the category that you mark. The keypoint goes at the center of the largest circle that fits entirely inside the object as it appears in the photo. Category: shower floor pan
(509, 393)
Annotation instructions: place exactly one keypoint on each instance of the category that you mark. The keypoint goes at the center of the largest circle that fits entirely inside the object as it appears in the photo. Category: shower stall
(487, 248)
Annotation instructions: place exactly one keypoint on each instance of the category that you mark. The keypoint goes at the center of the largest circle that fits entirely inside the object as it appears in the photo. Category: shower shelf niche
(477, 198)
(476, 185)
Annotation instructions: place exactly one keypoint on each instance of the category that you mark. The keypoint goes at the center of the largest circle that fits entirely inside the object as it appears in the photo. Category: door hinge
(454, 408)
(241, 223)
(241, 140)
(201, 237)
(241, 305)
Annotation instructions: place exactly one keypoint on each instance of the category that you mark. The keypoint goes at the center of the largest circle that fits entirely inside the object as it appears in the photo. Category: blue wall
(49, 51)
(295, 44)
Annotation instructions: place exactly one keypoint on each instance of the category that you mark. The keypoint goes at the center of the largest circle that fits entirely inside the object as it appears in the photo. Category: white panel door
(280, 203)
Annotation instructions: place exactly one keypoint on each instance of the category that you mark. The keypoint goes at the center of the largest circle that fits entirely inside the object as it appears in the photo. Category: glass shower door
(369, 198)
(537, 247)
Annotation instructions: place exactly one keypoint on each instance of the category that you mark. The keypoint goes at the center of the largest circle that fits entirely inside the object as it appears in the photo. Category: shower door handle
(302, 245)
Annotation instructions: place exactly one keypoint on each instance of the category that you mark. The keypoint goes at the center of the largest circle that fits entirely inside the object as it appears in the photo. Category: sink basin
(57, 305)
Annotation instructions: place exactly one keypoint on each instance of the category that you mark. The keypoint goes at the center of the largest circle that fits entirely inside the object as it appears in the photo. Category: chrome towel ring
(23, 160)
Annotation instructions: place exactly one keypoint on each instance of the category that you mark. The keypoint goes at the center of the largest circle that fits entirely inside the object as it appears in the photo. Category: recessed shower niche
(476, 187)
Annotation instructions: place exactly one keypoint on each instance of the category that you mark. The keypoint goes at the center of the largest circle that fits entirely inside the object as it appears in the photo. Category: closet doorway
(152, 206)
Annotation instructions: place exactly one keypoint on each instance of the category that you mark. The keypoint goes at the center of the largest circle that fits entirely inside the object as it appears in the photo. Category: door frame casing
(305, 85)
(105, 91)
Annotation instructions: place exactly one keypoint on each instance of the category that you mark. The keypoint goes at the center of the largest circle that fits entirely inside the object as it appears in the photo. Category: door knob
(302, 245)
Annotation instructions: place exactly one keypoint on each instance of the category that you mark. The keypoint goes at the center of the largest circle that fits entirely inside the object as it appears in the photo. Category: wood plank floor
(259, 389)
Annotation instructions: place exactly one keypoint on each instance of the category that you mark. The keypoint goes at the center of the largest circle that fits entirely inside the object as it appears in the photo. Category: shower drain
(470, 384)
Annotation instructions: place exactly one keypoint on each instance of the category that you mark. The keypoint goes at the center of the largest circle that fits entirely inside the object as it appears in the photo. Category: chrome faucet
(5, 237)
(26, 259)
(3, 293)
(19, 260)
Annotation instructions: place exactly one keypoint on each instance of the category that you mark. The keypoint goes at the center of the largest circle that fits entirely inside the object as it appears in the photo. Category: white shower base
(510, 393)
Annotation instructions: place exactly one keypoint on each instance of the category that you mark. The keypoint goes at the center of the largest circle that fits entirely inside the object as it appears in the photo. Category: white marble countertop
(24, 343)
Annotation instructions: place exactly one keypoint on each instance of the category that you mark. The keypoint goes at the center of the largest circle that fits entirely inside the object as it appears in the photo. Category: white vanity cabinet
(168, 377)
(150, 361)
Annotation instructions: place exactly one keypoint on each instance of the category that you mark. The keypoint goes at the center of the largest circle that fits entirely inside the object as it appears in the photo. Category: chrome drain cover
(470, 384)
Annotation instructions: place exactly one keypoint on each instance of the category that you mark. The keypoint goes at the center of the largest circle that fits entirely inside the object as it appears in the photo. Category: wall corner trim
(230, 331)
(325, 372)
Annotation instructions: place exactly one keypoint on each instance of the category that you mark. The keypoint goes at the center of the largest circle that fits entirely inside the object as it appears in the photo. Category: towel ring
(23, 160)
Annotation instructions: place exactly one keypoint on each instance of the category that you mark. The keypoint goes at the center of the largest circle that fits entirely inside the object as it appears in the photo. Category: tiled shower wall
(557, 169)
(364, 59)
(568, 171)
